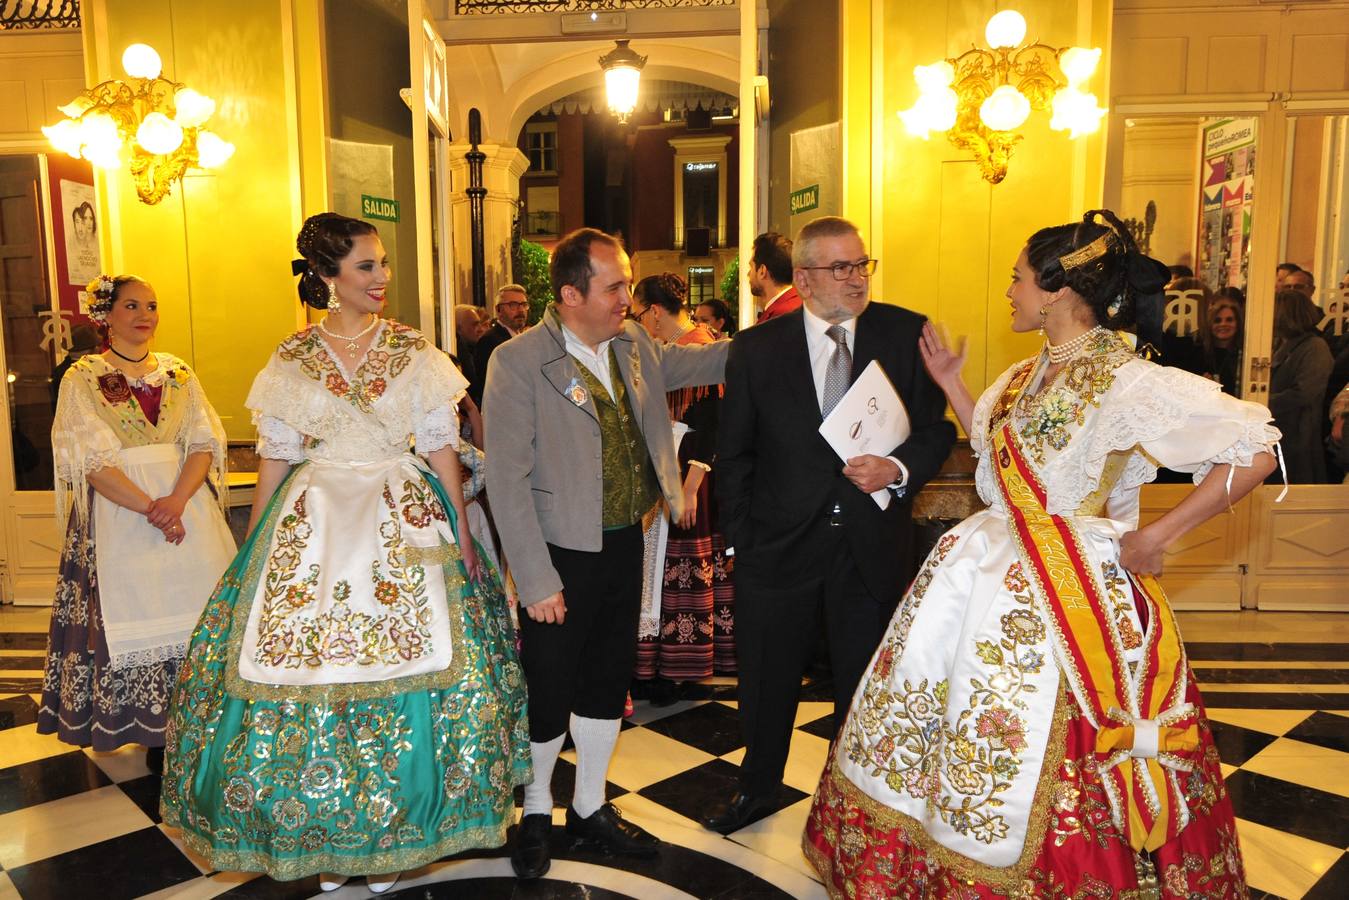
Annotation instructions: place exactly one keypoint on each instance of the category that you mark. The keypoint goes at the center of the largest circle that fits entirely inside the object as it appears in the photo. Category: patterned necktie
(839, 369)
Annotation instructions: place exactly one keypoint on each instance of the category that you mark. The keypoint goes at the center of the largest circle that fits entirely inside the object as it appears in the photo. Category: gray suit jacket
(544, 472)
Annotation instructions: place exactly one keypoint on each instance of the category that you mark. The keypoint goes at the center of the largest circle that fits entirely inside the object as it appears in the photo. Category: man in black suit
(512, 311)
(811, 547)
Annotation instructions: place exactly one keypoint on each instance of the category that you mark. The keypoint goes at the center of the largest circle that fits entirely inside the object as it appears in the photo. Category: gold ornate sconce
(982, 97)
(162, 120)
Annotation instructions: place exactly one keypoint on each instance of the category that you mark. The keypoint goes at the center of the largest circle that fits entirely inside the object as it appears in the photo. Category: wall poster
(1226, 189)
(83, 264)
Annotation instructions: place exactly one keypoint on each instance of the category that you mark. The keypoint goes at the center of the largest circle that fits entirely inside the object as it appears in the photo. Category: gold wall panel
(1320, 62)
(34, 543)
(1301, 559)
(1246, 77)
(1203, 570)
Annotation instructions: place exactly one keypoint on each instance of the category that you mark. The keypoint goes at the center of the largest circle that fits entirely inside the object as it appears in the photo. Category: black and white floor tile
(74, 823)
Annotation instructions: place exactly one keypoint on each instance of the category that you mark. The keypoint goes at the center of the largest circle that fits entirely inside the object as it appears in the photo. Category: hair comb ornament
(1093, 251)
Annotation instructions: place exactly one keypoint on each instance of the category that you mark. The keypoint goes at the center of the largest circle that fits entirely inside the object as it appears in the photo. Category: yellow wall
(218, 249)
(946, 238)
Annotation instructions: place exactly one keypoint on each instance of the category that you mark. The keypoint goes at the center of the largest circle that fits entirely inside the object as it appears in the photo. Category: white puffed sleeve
(81, 443)
(277, 440)
(1178, 420)
(436, 391)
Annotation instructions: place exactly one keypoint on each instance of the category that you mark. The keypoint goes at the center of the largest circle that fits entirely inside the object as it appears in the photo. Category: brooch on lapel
(636, 368)
(576, 392)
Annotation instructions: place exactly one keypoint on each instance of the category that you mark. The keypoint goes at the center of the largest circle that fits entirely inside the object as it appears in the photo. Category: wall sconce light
(162, 120)
(982, 96)
(622, 73)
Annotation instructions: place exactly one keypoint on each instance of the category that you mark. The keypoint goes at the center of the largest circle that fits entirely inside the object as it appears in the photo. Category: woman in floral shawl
(141, 453)
(351, 703)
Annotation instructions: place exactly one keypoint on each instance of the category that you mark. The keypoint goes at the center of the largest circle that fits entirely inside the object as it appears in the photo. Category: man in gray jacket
(579, 448)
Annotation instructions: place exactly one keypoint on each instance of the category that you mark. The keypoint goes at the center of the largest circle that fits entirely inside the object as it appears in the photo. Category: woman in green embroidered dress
(351, 702)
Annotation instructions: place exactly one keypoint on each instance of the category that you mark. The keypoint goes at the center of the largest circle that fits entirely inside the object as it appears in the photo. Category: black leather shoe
(740, 811)
(530, 857)
(154, 760)
(606, 829)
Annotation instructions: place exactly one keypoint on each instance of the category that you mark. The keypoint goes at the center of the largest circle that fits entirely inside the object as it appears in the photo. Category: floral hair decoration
(96, 302)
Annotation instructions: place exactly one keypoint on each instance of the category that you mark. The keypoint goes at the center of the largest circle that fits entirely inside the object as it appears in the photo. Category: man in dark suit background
(811, 547)
(512, 311)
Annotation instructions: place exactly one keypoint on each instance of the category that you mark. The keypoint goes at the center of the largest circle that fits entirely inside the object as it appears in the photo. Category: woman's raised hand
(942, 363)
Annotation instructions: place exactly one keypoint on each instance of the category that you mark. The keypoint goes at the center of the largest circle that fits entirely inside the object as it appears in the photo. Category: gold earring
(1044, 314)
(334, 305)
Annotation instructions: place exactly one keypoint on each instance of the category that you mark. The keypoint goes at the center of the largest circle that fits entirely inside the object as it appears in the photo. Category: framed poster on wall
(1227, 189)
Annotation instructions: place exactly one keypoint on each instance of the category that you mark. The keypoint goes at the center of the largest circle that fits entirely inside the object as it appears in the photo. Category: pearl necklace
(351, 340)
(1061, 353)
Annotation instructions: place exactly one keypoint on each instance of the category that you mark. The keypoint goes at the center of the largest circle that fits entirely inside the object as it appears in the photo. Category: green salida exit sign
(804, 200)
(379, 208)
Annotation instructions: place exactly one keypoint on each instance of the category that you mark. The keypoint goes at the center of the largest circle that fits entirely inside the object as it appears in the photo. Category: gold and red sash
(1146, 731)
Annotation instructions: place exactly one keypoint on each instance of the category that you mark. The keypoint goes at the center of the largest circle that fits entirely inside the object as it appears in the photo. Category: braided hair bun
(666, 290)
(1100, 261)
(323, 242)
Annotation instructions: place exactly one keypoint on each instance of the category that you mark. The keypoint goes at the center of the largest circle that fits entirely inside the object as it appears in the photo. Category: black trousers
(776, 629)
(584, 665)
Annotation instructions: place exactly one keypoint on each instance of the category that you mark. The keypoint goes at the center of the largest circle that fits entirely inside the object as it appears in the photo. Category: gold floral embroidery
(1121, 605)
(387, 357)
(1048, 414)
(957, 766)
(290, 638)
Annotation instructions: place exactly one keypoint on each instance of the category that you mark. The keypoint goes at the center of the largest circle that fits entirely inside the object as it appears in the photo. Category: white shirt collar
(816, 327)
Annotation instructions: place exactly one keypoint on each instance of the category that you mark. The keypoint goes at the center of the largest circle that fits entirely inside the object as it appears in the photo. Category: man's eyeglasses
(842, 271)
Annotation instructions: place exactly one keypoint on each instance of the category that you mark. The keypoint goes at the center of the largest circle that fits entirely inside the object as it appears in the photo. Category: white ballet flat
(379, 887)
(331, 882)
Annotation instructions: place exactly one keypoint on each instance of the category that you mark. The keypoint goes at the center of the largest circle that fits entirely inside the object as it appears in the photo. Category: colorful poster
(1225, 202)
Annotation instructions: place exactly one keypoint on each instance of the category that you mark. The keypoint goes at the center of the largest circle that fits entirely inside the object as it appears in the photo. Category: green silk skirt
(357, 779)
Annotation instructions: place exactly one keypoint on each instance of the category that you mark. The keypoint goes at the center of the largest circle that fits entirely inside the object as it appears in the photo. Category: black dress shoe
(606, 829)
(154, 760)
(530, 857)
(740, 811)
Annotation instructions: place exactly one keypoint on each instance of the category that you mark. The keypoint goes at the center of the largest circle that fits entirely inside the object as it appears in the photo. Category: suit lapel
(866, 345)
(796, 369)
(563, 373)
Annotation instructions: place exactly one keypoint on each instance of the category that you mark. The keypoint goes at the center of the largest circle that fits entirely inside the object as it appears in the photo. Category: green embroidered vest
(630, 487)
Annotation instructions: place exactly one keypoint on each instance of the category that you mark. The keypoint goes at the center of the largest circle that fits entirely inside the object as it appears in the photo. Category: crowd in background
(1309, 367)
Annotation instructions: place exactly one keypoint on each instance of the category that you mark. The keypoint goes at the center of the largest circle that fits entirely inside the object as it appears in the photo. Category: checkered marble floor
(74, 823)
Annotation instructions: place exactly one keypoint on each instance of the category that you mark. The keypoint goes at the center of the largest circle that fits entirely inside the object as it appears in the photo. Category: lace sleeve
(204, 433)
(1180, 421)
(277, 440)
(436, 390)
(437, 429)
(81, 443)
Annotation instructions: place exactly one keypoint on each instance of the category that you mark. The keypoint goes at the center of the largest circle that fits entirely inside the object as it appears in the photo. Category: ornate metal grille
(487, 7)
(22, 14)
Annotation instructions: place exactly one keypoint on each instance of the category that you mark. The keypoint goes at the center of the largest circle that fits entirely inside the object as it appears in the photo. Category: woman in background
(1299, 371)
(140, 468)
(693, 637)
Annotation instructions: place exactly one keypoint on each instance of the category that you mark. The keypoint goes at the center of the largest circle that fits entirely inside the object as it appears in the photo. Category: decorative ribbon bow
(1141, 749)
